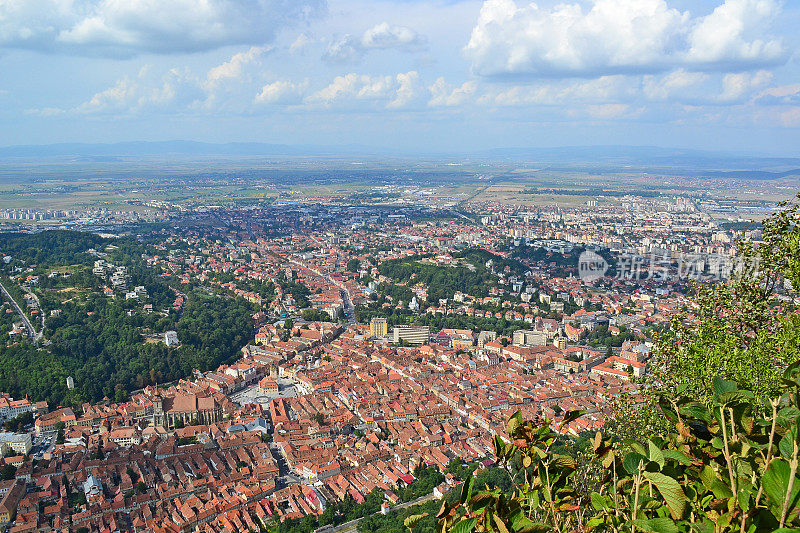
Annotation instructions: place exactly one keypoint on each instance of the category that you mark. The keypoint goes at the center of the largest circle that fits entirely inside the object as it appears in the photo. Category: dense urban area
(312, 363)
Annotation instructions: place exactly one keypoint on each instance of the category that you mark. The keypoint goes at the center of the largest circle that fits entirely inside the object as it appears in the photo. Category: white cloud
(735, 86)
(443, 94)
(407, 89)
(781, 95)
(281, 92)
(557, 92)
(301, 43)
(396, 91)
(125, 28)
(618, 36)
(733, 35)
(130, 95)
(662, 88)
(233, 69)
(349, 48)
(384, 35)
(612, 111)
(345, 49)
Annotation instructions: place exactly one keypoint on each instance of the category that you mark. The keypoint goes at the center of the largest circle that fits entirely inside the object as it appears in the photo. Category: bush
(723, 468)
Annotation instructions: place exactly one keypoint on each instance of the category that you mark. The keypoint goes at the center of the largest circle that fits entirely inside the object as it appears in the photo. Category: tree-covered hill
(108, 344)
(472, 276)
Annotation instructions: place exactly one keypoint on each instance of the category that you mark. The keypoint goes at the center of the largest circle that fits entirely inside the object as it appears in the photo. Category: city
(399, 266)
(381, 346)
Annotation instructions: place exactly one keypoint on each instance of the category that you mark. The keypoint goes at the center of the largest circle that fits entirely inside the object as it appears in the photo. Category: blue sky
(416, 75)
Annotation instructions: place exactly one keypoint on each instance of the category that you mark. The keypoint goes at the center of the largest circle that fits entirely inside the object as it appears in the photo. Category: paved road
(31, 331)
(348, 303)
(352, 525)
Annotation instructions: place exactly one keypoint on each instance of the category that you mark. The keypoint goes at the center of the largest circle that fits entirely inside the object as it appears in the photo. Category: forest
(443, 281)
(102, 341)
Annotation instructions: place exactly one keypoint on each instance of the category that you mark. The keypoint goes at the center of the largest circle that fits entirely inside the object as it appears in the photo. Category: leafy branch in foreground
(725, 467)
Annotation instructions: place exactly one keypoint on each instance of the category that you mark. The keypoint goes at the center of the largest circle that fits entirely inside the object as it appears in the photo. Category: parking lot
(42, 443)
(286, 389)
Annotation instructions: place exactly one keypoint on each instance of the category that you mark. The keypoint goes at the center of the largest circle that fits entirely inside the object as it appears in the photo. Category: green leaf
(514, 422)
(736, 396)
(722, 386)
(721, 489)
(534, 527)
(696, 410)
(466, 489)
(499, 447)
(599, 502)
(481, 500)
(564, 461)
(671, 491)
(631, 462)
(522, 524)
(788, 416)
(657, 525)
(776, 484)
(654, 454)
(569, 416)
(533, 499)
(501, 526)
(412, 521)
(786, 445)
(678, 457)
(465, 526)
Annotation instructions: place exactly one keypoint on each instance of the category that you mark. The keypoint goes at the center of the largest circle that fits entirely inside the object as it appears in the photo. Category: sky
(412, 75)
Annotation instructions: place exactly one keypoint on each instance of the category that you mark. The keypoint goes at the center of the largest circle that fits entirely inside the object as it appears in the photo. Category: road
(352, 525)
(348, 303)
(31, 331)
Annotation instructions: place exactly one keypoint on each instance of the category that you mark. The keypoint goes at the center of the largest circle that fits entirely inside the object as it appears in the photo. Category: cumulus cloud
(134, 94)
(281, 92)
(384, 35)
(350, 48)
(395, 91)
(234, 68)
(407, 89)
(619, 36)
(664, 87)
(445, 95)
(125, 28)
(300, 44)
(733, 35)
(556, 92)
(782, 95)
(737, 85)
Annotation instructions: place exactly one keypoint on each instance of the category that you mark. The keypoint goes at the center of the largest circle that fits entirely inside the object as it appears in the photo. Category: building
(9, 502)
(411, 334)
(185, 409)
(268, 385)
(125, 436)
(11, 408)
(171, 338)
(523, 337)
(378, 327)
(47, 423)
(20, 443)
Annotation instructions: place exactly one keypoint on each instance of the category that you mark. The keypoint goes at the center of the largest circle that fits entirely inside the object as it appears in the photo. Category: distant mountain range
(603, 158)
